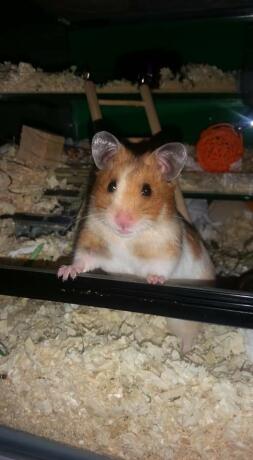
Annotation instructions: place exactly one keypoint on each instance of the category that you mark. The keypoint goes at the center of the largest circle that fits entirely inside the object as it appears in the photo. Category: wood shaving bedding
(203, 77)
(114, 382)
(24, 78)
(53, 247)
(193, 78)
(230, 244)
(22, 186)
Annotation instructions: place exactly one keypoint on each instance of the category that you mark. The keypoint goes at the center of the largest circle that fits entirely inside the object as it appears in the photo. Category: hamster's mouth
(125, 232)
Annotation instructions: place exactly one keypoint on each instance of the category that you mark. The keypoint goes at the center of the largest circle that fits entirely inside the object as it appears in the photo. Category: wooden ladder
(147, 103)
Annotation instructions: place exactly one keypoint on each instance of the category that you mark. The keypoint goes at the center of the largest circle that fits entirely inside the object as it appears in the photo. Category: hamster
(133, 226)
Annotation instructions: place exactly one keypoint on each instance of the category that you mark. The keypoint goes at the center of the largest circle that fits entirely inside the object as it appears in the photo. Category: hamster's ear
(103, 147)
(171, 159)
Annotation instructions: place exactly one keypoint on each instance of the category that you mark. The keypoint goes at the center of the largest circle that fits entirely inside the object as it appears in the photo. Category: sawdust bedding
(115, 383)
(24, 78)
(22, 186)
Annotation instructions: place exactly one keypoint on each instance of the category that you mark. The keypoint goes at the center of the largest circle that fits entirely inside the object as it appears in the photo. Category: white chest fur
(123, 259)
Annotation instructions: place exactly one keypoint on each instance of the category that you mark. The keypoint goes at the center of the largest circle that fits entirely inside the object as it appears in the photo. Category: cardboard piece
(39, 148)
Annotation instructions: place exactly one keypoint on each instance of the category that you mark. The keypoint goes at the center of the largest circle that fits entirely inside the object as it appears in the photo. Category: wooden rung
(92, 100)
(119, 102)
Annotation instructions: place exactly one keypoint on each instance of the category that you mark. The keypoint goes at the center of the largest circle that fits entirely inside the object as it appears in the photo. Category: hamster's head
(132, 194)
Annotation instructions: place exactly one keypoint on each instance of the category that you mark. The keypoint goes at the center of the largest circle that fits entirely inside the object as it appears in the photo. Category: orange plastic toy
(218, 147)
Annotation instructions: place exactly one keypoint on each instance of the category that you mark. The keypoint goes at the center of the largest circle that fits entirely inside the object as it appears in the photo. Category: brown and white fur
(132, 225)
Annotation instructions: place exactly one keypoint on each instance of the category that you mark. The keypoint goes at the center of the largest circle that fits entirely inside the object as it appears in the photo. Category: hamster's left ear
(103, 147)
(171, 159)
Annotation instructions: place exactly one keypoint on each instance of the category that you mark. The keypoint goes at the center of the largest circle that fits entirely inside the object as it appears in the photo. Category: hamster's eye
(112, 186)
(146, 190)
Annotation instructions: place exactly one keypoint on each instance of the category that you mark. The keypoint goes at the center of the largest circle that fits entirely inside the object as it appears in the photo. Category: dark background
(110, 38)
(40, 31)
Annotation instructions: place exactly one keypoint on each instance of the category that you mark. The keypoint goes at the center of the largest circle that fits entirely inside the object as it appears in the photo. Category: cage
(90, 368)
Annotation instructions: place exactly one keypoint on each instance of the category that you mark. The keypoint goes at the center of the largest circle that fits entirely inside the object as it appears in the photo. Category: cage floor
(115, 383)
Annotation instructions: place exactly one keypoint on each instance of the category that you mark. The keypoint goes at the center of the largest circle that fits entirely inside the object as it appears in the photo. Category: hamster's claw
(68, 271)
(154, 279)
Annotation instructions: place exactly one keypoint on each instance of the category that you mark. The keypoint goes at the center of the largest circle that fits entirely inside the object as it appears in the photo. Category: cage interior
(92, 363)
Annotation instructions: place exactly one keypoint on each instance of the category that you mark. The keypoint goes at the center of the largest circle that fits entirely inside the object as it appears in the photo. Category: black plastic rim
(181, 300)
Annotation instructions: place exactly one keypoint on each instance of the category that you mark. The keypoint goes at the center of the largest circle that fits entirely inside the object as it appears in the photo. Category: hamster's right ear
(103, 147)
(171, 159)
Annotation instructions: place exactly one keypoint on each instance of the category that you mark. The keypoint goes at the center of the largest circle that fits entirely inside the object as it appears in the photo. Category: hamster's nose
(124, 220)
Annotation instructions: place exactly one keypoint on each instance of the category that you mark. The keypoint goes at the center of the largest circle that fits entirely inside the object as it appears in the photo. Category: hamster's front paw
(69, 271)
(154, 279)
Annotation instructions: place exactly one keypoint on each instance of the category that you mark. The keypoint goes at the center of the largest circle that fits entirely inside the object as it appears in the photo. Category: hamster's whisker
(87, 216)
